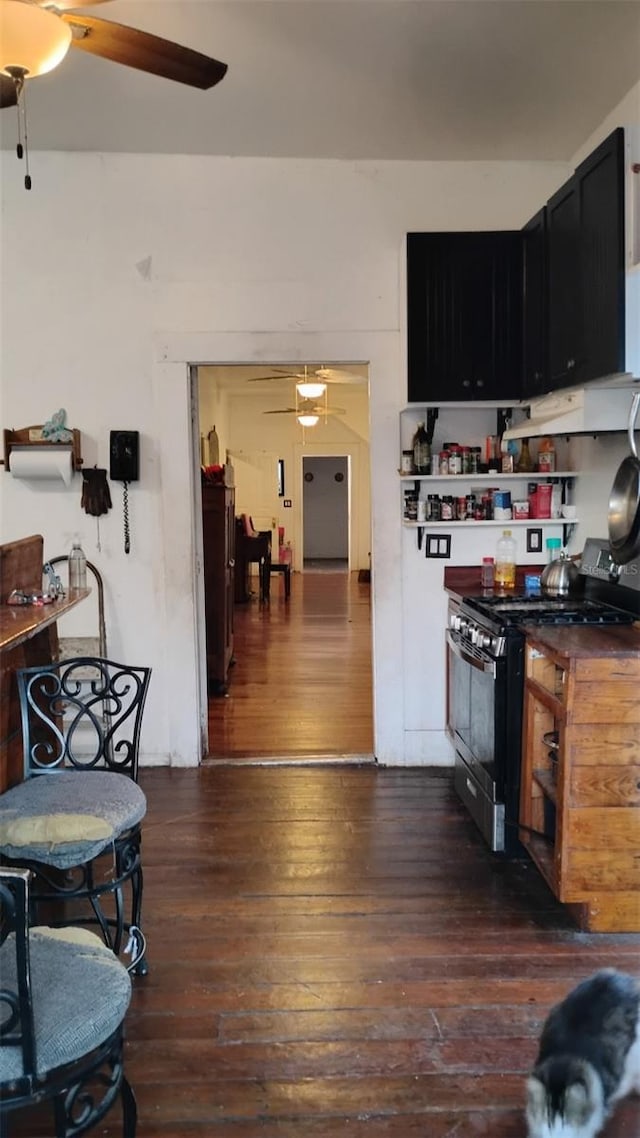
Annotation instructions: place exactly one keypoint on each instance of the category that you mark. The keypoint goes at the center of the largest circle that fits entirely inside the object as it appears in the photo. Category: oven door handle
(488, 666)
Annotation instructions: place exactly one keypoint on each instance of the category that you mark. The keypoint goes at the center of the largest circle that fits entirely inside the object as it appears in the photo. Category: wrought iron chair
(63, 999)
(75, 819)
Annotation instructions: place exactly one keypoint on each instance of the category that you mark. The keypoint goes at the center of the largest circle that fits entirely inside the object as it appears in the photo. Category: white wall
(118, 270)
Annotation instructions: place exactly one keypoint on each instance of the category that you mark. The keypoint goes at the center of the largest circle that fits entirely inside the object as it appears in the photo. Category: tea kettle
(559, 577)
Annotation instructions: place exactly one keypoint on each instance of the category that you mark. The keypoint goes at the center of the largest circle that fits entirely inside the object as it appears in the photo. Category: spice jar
(444, 461)
(455, 460)
(446, 508)
(474, 460)
(466, 460)
(487, 572)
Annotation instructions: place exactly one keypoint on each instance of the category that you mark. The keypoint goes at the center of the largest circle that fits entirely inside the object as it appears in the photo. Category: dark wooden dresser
(218, 534)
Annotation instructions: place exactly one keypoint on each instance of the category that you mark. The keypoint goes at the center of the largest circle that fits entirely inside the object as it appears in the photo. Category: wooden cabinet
(218, 534)
(580, 784)
(585, 246)
(464, 316)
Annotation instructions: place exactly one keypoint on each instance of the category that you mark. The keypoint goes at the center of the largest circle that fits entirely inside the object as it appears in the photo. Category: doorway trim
(180, 574)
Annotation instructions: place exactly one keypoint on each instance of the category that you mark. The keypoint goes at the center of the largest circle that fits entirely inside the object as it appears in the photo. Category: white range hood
(578, 411)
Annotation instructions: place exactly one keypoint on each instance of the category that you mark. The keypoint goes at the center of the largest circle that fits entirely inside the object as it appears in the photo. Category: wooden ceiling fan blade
(8, 93)
(61, 5)
(144, 52)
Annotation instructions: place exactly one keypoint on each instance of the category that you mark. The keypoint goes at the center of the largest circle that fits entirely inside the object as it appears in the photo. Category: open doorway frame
(182, 577)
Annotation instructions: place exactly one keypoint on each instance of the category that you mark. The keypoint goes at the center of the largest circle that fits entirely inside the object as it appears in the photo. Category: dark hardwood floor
(335, 954)
(301, 686)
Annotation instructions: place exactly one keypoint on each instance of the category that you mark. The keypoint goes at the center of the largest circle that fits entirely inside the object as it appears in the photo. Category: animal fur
(589, 1057)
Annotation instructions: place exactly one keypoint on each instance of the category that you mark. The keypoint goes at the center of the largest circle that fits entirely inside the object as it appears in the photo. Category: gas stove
(608, 595)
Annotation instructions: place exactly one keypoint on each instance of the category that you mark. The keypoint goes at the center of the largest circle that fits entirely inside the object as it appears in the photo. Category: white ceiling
(352, 79)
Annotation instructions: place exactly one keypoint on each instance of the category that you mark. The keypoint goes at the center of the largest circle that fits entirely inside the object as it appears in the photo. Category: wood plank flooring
(334, 953)
(301, 686)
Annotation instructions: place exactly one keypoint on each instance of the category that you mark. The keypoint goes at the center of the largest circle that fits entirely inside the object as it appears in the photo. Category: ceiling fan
(326, 375)
(35, 36)
(308, 407)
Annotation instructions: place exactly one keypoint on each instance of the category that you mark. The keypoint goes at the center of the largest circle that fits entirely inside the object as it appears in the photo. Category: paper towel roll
(42, 462)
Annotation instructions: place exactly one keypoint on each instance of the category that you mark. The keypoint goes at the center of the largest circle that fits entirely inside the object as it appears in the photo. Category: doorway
(280, 712)
(325, 512)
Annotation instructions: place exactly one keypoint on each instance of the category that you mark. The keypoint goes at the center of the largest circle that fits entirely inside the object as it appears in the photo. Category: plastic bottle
(546, 456)
(77, 567)
(421, 451)
(487, 573)
(506, 561)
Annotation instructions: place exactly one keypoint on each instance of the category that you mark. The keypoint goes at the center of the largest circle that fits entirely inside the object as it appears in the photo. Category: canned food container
(502, 500)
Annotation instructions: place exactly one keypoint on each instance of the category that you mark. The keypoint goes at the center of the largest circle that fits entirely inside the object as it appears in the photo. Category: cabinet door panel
(565, 309)
(464, 316)
(601, 188)
(535, 365)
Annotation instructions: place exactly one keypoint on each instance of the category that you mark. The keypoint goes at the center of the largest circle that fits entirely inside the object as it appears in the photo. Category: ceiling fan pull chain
(22, 102)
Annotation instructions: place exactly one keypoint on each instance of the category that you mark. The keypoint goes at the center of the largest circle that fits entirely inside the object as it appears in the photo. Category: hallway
(301, 686)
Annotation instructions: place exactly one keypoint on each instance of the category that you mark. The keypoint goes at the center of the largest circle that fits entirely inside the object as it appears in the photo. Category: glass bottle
(506, 561)
(421, 451)
(525, 461)
(77, 567)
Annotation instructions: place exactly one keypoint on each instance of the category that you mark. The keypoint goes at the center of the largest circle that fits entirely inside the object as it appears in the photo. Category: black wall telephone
(124, 455)
(124, 450)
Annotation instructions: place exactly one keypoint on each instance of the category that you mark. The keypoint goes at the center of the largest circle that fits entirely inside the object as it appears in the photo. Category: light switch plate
(534, 540)
(438, 545)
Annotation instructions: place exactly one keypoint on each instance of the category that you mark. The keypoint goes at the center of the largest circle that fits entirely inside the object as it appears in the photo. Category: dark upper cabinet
(464, 316)
(585, 221)
(535, 367)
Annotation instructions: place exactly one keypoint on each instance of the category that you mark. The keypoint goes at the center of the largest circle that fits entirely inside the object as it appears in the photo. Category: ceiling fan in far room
(313, 375)
(35, 36)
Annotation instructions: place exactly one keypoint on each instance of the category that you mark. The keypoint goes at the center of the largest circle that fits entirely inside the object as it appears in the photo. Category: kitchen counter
(464, 581)
(579, 640)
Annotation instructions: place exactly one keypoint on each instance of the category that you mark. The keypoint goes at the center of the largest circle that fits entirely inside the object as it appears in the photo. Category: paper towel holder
(32, 437)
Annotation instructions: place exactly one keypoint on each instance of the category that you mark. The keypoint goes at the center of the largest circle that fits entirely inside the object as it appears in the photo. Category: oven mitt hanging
(96, 498)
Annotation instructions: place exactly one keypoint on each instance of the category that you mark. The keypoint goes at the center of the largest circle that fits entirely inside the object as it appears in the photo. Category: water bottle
(77, 567)
(506, 561)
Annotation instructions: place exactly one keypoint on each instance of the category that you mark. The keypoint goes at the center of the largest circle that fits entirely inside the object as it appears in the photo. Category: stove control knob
(455, 621)
(483, 639)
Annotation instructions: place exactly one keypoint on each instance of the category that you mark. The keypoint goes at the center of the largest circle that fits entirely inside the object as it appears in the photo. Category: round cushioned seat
(80, 993)
(68, 818)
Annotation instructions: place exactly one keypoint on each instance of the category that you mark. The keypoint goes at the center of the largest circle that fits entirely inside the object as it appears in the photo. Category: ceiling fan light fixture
(308, 420)
(32, 40)
(310, 390)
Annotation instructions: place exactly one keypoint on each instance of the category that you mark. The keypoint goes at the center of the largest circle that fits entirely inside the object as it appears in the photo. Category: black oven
(484, 721)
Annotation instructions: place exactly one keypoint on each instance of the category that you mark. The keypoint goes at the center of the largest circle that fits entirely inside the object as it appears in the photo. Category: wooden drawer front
(615, 828)
(587, 871)
(612, 744)
(606, 702)
(607, 668)
(605, 786)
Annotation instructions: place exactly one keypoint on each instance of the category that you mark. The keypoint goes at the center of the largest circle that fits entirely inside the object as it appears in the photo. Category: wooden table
(28, 636)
